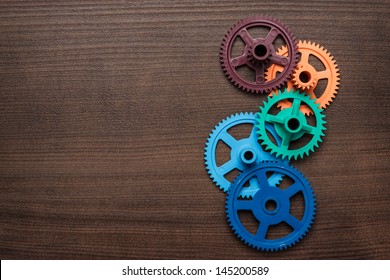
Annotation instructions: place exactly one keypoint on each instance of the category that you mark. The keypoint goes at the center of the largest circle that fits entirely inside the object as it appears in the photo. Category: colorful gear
(259, 54)
(266, 216)
(306, 77)
(290, 124)
(244, 153)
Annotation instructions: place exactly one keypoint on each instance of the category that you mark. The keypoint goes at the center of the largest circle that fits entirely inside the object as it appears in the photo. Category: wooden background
(106, 106)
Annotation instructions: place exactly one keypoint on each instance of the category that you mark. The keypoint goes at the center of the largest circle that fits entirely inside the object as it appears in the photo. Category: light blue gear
(244, 153)
(266, 216)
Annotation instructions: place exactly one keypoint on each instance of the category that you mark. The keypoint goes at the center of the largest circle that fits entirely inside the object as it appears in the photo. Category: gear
(290, 125)
(244, 152)
(306, 77)
(258, 54)
(260, 206)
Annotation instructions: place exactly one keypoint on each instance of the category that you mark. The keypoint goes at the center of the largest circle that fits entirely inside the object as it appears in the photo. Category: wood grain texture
(106, 106)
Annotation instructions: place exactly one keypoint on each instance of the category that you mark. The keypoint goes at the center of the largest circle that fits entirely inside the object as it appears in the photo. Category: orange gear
(306, 77)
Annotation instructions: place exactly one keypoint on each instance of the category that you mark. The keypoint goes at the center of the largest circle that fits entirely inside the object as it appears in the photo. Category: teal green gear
(290, 124)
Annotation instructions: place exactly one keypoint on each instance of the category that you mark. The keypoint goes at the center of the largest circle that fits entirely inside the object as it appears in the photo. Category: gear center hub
(248, 155)
(261, 52)
(305, 77)
(270, 205)
(293, 125)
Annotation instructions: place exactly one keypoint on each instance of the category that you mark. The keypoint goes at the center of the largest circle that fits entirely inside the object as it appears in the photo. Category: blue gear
(244, 154)
(266, 216)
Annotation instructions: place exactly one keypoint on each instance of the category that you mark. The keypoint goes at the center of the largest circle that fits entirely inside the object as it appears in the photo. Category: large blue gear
(268, 217)
(244, 154)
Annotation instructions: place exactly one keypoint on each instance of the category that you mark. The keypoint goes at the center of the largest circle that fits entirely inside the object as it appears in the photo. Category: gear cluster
(261, 55)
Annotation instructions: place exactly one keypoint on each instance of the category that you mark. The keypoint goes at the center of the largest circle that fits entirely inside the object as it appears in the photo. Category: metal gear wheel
(270, 206)
(306, 76)
(290, 125)
(258, 54)
(244, 153)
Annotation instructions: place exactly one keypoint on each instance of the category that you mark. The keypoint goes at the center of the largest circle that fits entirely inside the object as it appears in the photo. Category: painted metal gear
(306, 76)
(290, 125)
(244, 153)
(258, 54)
(270, 206)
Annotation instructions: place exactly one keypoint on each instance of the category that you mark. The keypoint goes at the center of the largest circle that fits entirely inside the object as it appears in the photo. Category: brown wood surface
(106, 106)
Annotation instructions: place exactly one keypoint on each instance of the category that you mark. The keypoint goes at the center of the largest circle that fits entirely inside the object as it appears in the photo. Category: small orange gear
(306, 77)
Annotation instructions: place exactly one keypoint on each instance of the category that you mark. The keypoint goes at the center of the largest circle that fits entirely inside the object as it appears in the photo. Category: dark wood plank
(106, 106)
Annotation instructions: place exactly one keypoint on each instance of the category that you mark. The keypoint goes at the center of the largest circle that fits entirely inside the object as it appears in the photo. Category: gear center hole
(304, 77)
(293, 124)
(248, 155)
(270, 205)
(260, 50)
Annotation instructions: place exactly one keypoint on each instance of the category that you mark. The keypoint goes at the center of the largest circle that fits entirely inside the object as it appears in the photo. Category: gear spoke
(286, 141)
(295, 106)
(239, 61)
(226, 167)
(245, 36)
(262, 177)
(260, 79)
(304, 57)
(243, 204)
(271, 36)
(279, 59)
(261, 231)
(324, 74)
(228, 139)
(294, 222)
(254, 134)
(273, 119)
(292, 190)
(254, 183)
(309, 129)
